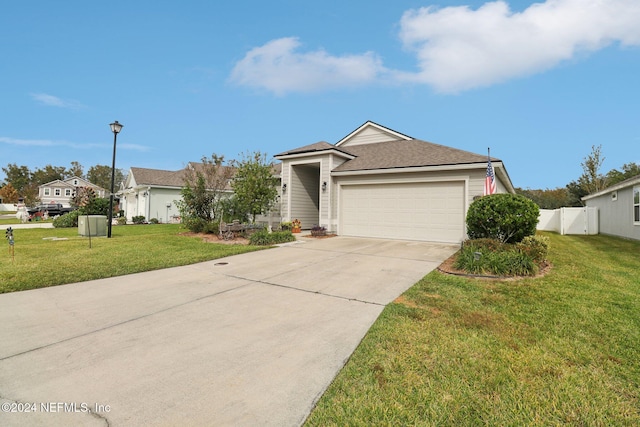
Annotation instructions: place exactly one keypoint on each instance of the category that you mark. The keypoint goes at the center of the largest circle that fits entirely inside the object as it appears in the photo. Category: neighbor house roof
(164, 178)
(158, 177)
(634, 180)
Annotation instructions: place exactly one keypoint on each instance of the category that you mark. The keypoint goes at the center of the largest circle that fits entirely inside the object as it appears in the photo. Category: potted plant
(296, 226)
(285, 226)
(318, 230)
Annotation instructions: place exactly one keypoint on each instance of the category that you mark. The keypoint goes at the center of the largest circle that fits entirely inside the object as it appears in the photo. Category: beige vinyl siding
(370, 136)
(332, 226)
(305, 193)
(616, 216)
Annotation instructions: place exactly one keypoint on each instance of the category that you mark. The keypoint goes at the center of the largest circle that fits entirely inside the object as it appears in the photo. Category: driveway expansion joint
(263, 282)
(124, 322)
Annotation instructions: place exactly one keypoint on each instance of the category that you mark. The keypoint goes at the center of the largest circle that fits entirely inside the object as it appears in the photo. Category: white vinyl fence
(569, 220)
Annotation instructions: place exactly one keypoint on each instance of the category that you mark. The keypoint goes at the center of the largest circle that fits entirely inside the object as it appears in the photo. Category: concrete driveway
(252, 339)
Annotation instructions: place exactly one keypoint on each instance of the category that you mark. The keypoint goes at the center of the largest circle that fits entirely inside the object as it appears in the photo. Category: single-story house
(619, 208)
(62, 191)
(154, 193)
(377, 182)
(151, 193)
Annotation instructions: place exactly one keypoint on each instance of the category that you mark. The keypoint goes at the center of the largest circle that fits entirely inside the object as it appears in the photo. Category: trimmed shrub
(67, 220)
(263, 237)
(154, 221)
(122, 220)
(508, 218)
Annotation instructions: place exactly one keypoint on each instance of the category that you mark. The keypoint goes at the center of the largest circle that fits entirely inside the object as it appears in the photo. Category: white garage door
(415, 211)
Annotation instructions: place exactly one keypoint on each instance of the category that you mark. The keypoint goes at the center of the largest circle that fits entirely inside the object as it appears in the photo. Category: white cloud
(27, 142)
(456, 48)
(134, 147)
(459, 48)
(74, 145)
(279, 68)
(54, 101)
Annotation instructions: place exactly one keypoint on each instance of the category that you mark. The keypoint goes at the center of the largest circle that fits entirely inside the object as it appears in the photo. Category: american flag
(490, 180)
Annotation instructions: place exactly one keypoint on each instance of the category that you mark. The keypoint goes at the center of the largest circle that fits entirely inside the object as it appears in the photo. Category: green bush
(201, 225)
(138, 219)
(536, 247)
(263, 237)
(67, 220)
(211, 227)
(122, 220)
(154, 221)
(505, 217)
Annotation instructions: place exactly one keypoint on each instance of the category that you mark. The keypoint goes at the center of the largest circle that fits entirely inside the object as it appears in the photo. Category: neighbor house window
(57, 192)
(47, 191)
(75, 182)
(67, 192)
(636, 205)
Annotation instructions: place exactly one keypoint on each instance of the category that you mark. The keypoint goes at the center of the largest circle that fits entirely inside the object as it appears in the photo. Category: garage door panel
(414, 211)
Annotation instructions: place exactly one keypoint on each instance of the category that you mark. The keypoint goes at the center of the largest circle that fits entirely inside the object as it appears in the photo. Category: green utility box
(94, 225)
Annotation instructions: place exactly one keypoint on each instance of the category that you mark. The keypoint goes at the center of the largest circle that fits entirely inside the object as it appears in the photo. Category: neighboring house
(62, 191)
(153, 193)
(377, 182)
(619, 208)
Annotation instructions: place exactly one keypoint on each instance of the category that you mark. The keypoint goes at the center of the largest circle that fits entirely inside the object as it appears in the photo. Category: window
(57, 192)
(67, 192)
(47, 191)
(75, 182)
(636, 205)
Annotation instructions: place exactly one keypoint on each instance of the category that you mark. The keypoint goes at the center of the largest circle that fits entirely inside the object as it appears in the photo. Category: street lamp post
(115, 128)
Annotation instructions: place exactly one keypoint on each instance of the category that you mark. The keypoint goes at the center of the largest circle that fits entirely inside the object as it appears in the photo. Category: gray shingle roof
(318, 146)
(144, 176)
(403, 154)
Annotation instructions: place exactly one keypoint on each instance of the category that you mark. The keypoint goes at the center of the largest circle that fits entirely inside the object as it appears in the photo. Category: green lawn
(559, 350)
(41, 261)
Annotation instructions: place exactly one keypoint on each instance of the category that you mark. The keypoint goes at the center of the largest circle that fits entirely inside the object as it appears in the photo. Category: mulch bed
(214, 238)
(447, 268)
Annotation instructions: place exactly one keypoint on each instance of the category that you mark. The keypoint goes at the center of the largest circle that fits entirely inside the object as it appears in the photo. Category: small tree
(88, 203)
(8, 194)
(205, 186)
(508, 218)
(254, 184)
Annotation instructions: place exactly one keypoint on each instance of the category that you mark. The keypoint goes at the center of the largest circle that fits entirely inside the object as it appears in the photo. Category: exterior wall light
(324, 186)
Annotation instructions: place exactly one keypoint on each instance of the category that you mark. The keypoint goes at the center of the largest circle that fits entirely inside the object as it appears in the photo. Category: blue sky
(539, 83)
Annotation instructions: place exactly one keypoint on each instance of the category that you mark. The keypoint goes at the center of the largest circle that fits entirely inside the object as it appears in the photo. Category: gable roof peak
(373, 127)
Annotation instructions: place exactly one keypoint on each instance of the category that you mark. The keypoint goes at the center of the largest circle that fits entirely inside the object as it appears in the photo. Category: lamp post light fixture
(115, 128)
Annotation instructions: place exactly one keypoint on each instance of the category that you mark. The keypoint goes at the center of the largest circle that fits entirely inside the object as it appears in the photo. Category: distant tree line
(591, 181)
(22, 182)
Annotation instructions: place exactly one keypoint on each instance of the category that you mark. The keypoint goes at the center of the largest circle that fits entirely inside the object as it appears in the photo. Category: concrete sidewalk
(27, 225)
(252, 339)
